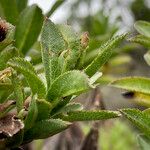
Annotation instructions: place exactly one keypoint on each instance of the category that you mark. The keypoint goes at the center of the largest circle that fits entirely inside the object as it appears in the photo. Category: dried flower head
(10, 125)
(85, 39)
(3, 30)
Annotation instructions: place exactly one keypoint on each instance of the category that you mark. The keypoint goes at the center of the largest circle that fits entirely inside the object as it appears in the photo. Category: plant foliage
(43, 97)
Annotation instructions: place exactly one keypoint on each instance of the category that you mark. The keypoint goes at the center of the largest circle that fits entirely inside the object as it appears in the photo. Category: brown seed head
(3, 30)
(85, 39)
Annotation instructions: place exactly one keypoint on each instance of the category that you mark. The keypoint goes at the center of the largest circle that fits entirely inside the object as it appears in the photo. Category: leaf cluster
(43, 90)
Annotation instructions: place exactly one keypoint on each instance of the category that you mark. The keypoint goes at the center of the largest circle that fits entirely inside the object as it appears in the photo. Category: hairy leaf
(20, 62)
(138, 118)
(141, 39)
(56, 67)
(137, 84)
(28, 28)
(51, 38)
(73, 45)
(70, 107)
(36, 85)
(44, 109)
(90, 115)
(69, 83)
(18, 92)
(143, 27)
(104, 55)
(51, 42)
(45, 128)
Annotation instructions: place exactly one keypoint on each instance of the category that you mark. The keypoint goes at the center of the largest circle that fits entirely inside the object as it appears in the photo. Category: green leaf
(139, 119)
(5, 55)
(28, 28)
(5, 90)
(6, 87)
(56, 68)
(21, 4)
(18, 92)
(45, 128)
(135, 84)
(4, 44)
(73, 45)
(62, 103)
(57, 4)
(21, 62)
(32, 113)
(144, 143)
(70, 107)
(90, 115)
(44, 109)
(105, 80)
(69, 83)
(51, 42)
(141, 39)
(143, 27)
(35, 83)
(10, 10)
(51, 38)
(104, 55)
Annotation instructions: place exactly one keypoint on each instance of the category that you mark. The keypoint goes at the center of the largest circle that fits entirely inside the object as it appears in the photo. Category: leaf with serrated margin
(70, 107)
(56, 67)
(139, 119)
(28, 28)
(35, 83)
(18, 92)
(45, 128)
(104, 55)
(143, 27)
(44, 109)
(69, 83)
(21, 62)
(51, 38)
(51, 42)
(84, 115)
(73, 45)
(141, 39)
